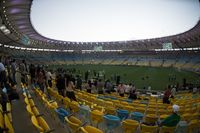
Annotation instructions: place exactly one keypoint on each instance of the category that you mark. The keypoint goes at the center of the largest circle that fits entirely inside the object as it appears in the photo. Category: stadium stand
(48, 111)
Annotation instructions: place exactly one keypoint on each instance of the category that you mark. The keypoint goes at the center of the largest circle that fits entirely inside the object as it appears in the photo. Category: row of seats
(97, 116)
(152, 106)
(36, 117)
(66, 117)
(6, 119)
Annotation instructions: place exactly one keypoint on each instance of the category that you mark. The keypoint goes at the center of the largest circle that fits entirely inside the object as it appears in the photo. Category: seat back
(150, 129)
(90, 129)
(1, 120)
(8, 124)
(29, 110)
(122, 114)
(194, 124)
(151, 118)
(35, 110)
(111, 121)
(8, 109)
(96, 116)
(165, 129)
(43, 123)
(36, 124)
(74, 106)
(73, 123)
(110, 110)
(130, 126)
(62, 113)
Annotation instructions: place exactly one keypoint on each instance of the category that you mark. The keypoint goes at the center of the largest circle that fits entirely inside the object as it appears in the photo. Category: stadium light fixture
(4, 29)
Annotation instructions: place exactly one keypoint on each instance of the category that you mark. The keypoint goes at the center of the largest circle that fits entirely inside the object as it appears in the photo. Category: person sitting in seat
(173, 119)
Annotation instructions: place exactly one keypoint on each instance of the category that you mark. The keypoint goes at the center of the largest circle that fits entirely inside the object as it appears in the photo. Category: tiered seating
(156, 62)
(73, 123)
(97, 109)
(142, 62)
(168, 63)
(6, 120)
(36, 117)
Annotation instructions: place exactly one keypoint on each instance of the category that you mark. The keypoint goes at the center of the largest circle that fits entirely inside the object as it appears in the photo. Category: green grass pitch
(156, 77)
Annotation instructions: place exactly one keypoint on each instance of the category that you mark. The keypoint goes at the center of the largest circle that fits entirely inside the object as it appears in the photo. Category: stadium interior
(158, 64)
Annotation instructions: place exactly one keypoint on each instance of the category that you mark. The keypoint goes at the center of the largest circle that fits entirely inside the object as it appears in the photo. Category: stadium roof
(17, 30)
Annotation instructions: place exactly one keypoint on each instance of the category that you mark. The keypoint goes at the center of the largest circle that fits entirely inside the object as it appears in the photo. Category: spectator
(23, 70)
(89, 86)
(2, 73)
(132, 94)
(70, 91)
(100, 86)
(32, 71)
(14, 68)
(60, 84)
(41, 79)
(127, 89)
(167, 94)
(173, 119)
(49, 78)
(121, 89)
(173, 91)
(79, 83)
(3, 96)
(108, 86)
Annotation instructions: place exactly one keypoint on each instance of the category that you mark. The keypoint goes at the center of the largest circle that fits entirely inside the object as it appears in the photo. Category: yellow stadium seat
(130, 126)
(41, 124)
(8, 124)
(74, 106)
(8, 109)
(162, 117)
(151, 111)
(96, 117)
(108, 104)
(148, 129)
(99, 108)
(66, 102)
(36, 124)
(73, 123)
(186, 117)
(194, 125)
(140, 109)
(110, 110)
(90, 129)
(129, 108)
(165, 129)
(29, 110)
(1, 120)
(35, 111)
(151, 118)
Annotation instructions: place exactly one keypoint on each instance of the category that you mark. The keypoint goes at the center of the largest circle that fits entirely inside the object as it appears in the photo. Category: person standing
(3, 77)
(121, 90)
(23, 70)
(14, 68)
(60, 84)
(167, 94)
(100, 86)
(173, 91)
(32, 71)
(49, 78)
(70, 91)
(79, 83)
(132, 94)
(41, 79)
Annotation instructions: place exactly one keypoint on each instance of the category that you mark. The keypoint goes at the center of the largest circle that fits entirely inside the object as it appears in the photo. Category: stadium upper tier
(17, 30)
